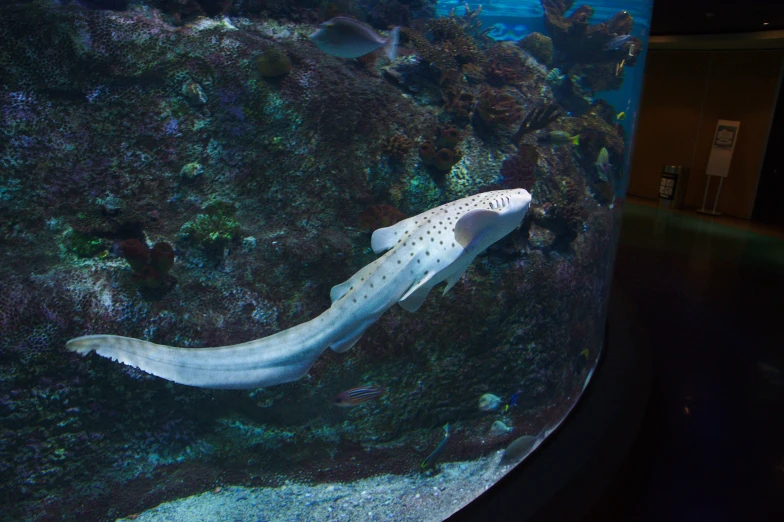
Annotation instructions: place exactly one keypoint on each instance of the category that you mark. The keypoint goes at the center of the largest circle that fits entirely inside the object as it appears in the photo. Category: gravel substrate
(412, 497)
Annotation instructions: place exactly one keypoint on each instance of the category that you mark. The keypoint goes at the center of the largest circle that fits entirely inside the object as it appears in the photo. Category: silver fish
(421, 252)
(617, 42)
(346, 38)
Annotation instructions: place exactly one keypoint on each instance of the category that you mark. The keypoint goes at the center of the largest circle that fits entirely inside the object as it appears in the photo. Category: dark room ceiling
(671, 17)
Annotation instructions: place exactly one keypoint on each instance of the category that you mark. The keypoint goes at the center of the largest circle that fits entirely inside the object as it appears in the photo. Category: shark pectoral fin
(459, 271)
(472, 224)
(414, 300)
(385, 238)
(452, 280)
(346, 343)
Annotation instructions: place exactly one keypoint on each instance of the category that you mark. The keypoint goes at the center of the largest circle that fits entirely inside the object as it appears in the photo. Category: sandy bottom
(412, 497)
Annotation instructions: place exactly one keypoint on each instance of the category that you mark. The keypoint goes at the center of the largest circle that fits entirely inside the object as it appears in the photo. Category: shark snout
(520, 200)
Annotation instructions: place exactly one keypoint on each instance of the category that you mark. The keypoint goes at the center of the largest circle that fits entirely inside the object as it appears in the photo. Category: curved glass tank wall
(207, 173)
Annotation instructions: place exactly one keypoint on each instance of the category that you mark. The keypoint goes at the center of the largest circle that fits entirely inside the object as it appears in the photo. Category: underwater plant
(214, 230)
(83, 245)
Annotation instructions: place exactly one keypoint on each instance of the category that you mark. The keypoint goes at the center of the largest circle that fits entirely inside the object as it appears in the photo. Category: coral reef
(496, 107)
(273, 63)
(379, 216)
(536, 119)
(520, 170)
(121, 129)
(539, 46)
(396, 147)
(591, 56)
(441, 154)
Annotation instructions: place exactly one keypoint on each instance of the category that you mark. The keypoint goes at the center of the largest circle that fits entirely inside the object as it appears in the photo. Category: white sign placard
(723, 144)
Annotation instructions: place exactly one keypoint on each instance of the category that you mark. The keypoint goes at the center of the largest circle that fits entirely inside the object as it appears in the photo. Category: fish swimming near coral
(617, 42)
(559, 138)
(430, 462)
(347, 38)
(357, 396)
(421, 252)
(603, 166)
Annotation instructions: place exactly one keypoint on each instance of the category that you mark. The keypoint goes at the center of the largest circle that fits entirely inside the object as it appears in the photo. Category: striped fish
(356, 396)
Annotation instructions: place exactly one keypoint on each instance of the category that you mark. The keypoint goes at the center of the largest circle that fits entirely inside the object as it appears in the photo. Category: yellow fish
(621, 116)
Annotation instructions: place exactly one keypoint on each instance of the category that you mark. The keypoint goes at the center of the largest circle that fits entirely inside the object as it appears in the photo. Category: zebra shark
(421, 252)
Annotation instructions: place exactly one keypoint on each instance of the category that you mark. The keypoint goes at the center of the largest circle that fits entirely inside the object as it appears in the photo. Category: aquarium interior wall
(201, 174)
(686, 93)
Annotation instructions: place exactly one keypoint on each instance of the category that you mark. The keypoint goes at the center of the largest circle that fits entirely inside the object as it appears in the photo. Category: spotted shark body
(421, 252)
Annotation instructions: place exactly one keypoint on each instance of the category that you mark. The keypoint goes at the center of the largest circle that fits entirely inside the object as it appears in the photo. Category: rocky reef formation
(263, 165)
(591, 57)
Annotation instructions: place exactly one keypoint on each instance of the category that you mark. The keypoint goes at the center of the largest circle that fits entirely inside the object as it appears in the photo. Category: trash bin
(672, 188)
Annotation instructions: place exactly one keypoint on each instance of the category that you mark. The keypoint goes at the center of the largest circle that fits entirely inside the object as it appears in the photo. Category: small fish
(631, 51)
(489, 402)
(558, 138)
(499, 428)
(430, 462)
(603, 166)
(512, 401)
(347, 38)
(617, 42)
(620, 116)
(619, 67)
(359, 395)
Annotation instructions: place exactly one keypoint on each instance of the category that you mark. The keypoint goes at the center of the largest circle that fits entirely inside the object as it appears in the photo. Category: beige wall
(675, 127)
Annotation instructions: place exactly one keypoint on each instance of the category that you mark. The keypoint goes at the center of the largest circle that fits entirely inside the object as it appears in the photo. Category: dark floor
(709, 293)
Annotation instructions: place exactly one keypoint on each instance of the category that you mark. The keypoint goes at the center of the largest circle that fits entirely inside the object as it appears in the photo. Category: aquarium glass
(221, 221)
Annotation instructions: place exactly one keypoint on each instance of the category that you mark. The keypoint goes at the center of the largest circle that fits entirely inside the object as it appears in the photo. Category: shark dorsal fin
(472, 224)
(385, 238)
(342, 289)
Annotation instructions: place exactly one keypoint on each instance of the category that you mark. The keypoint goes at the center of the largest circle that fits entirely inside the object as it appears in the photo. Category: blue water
(512, 20)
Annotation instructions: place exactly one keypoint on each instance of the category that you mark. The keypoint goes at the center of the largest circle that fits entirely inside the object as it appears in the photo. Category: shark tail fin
(224, 367)
(390, 48)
